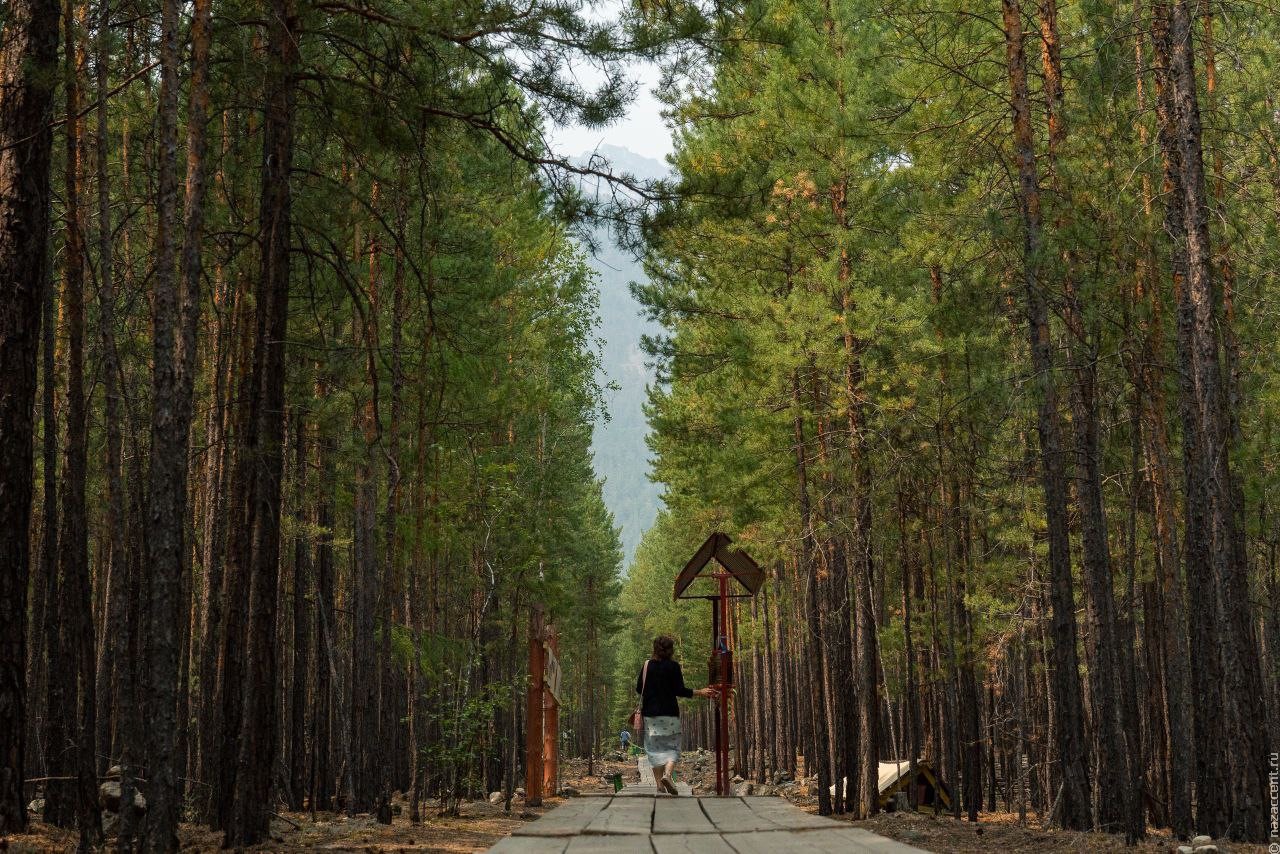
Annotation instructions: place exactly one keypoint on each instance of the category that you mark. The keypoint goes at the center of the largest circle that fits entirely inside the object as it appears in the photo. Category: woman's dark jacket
(664, 683)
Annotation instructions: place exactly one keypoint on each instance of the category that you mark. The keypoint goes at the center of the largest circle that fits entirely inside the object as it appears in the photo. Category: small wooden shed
(930, 792)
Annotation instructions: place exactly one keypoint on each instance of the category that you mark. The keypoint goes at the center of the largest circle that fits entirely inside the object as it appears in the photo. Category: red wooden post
(713, 679)
(722, 698)
(533, 747)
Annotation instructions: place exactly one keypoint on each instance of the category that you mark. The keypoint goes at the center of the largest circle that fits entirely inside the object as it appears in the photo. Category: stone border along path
(632, 824)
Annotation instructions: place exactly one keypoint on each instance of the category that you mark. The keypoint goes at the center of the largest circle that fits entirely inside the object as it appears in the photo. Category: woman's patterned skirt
(662, 740)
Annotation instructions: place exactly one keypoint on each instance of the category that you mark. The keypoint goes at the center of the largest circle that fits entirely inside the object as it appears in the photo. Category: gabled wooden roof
(736, 562)
(895, 775)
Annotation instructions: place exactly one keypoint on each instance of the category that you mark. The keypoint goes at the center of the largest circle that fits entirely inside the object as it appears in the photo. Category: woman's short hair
(663, 647)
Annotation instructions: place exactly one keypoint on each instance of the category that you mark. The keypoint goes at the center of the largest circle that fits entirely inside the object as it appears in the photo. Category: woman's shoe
(668, 786)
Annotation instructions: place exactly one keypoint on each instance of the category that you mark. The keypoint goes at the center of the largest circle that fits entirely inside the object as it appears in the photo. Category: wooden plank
(666, 825)
(778, 842)
(569, 818)
(691, 843)
(530, 845)
(731, 815)
(623, 816)
(680, 815)
(787, 815)
(610, 845)
(849, 840)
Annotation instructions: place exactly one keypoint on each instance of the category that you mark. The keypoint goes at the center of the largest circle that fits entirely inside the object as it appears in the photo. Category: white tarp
(890, 773)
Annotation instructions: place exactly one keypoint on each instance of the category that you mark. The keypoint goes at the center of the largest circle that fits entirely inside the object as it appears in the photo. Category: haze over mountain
(621, 455)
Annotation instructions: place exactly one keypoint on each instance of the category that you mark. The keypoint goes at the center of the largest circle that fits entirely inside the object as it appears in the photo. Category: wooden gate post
(533, 766)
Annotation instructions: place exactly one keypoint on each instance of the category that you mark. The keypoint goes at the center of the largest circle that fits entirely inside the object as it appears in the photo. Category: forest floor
(479, 825)
(1001, 832)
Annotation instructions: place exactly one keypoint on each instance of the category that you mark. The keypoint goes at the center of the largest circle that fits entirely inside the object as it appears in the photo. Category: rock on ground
(109, 798)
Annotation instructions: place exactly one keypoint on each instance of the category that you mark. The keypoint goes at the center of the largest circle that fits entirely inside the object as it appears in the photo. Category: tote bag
(637, 717)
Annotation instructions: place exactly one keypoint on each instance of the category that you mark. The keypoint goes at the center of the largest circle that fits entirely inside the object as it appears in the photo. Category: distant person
(659, 682)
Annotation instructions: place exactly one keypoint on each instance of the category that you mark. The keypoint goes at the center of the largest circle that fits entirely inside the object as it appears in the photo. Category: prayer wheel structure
(720, 668)
(734, 575)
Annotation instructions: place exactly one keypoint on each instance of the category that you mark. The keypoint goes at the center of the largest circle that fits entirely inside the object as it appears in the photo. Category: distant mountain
(621, 455)
(625, 160)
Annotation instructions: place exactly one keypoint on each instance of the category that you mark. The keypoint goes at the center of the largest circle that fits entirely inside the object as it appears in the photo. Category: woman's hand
(706, 692)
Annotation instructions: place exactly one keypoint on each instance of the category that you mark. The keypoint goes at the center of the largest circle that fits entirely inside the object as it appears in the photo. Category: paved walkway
(632, 824)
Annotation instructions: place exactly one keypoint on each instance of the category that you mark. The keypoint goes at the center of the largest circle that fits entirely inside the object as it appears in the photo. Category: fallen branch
(50, 779)
(67, 779)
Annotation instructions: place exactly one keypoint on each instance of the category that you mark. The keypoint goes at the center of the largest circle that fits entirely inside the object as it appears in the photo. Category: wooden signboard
(551, 672)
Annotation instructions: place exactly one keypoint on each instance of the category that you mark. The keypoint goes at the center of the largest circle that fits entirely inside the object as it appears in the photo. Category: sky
(619, 443)
(641, 130)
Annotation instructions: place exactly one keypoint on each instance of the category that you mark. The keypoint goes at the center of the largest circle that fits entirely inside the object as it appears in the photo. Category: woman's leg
(666, 782)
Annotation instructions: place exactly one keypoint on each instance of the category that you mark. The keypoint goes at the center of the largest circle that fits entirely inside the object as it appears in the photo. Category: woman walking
(659, 682)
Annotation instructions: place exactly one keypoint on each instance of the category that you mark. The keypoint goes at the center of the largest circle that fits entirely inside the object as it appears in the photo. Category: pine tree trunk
(1271, 625)
(757, 698)
(364, 587)
(862, 685)
(911, 690)
(28, 78)
(1147, 377)
(1246, 744)
(1200, 655)
(413, 611)
(831, 572)
(43, 585)
(816, 754)
(394, 692)
(221, 533)
(113, 654)
(257, 741)
(868, 655)
(322, 748)
(1066, 687)
(74, 675)
(166, 512)
(969, 725)
(301, 628)
(1104, 667)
